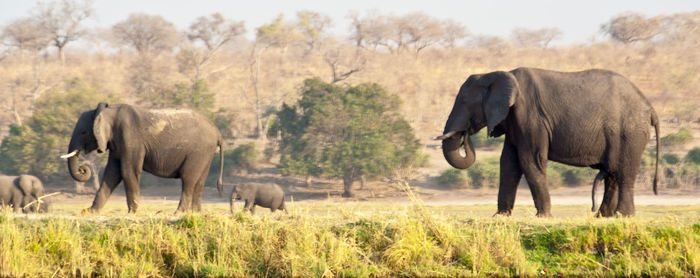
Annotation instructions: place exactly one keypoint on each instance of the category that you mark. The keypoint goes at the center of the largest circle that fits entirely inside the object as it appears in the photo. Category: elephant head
(30, 186)
(92, 132)
(483, 100)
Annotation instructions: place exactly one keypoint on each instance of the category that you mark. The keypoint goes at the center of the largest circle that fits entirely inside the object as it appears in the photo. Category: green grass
(351, 239)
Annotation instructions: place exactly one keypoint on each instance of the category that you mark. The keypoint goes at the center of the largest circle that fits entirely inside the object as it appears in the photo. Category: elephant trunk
(79, 173)
(450, 149)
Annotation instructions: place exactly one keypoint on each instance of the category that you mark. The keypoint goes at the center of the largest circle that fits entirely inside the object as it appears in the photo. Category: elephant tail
(220, 182)
(655, 123)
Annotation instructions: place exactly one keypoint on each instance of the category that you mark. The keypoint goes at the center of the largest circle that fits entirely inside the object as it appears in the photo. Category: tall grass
(327, 239)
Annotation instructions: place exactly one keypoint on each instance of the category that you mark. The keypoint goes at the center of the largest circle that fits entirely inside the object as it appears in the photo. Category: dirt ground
(424, 184)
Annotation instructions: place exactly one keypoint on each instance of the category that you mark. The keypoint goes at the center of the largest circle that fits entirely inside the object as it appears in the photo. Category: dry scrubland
(351, 239)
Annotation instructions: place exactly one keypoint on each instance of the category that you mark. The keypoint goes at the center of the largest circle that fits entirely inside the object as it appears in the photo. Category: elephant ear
(502, 92)
(24, 184)
(101, 128)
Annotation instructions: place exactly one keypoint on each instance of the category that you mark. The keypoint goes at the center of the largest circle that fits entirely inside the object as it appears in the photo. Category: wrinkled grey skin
(593, 118)
(19, 191)
(168, 143)
(267, 195)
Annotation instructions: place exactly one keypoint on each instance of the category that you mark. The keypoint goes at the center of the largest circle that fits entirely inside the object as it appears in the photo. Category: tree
(535, 38)
(346, 132)
(24, 34)
(213, 32)
(34, 148)
(453, 32)
(344, 62)
(146, 33)
(631, 27)
(312, 26)
(278, 33)
(417, 31)
(370, 31)
(60, 21)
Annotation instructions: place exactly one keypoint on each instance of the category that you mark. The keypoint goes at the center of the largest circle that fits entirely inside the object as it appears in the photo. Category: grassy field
(350, 239)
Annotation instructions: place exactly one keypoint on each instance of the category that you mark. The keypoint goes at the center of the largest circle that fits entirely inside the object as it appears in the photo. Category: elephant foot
(348, 195)
(87, 211)
(543, 214)
(505, 213)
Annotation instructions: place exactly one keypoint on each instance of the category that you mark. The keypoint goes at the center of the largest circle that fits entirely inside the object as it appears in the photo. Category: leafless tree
(312, 26)
(60, 21)
(24, 34)
(344, 62)
(370, 31)
(631, 27)
(494, 44)
(681, 28)
(453, 32)
(146, 33)
(417, 31)
(214, 32)
(535, 38)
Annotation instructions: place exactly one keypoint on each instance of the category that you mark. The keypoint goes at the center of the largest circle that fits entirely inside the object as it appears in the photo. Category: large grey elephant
(20, 191)
(168, 143)
(594, 118)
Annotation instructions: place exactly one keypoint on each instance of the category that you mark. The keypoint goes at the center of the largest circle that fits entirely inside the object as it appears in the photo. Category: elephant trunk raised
(450, 149)
(79, 173)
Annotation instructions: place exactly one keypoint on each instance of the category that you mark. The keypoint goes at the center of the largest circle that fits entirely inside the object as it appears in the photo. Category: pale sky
(579, 20)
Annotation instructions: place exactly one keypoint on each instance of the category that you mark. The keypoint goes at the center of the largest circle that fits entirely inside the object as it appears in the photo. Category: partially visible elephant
(596, 181)
(168, 143)
(20, 191)
(593, 118)
(267, 195)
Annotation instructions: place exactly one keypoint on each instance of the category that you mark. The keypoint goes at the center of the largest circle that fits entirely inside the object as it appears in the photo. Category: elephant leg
(610, 197)
(533, 163)
(132, 181)
(629, 166)
(110, 179)
(198, 189)
(509, 178)
(191, 173)
(187, 194)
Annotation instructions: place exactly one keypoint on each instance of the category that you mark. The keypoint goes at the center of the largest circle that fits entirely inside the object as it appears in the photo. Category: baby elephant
(19, 191)
(268, 195)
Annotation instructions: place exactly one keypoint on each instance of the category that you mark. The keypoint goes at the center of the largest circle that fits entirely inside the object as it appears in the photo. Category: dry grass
(350, 239)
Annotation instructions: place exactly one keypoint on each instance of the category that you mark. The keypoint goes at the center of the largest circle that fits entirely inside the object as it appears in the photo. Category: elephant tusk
(445, 136)
(69, 155)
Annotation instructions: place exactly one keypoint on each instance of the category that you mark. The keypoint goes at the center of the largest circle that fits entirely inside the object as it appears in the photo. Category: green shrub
(243, 158)
(481, 140)
(680, 137)
(453, 178)
(485, 172)
(670, 159)
(561, 174)
(693, 156)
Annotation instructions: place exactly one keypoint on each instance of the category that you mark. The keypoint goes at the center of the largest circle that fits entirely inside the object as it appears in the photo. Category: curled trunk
(79, 173)
(450, 149)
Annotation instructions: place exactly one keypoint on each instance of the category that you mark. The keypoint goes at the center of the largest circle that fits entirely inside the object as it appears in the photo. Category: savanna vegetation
(242, 76)
(290, 95)
(357, 240)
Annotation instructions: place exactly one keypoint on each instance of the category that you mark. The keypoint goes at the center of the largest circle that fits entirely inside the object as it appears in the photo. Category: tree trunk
(348, 180)
(61, 56)
(307, 181)
(363, 181)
